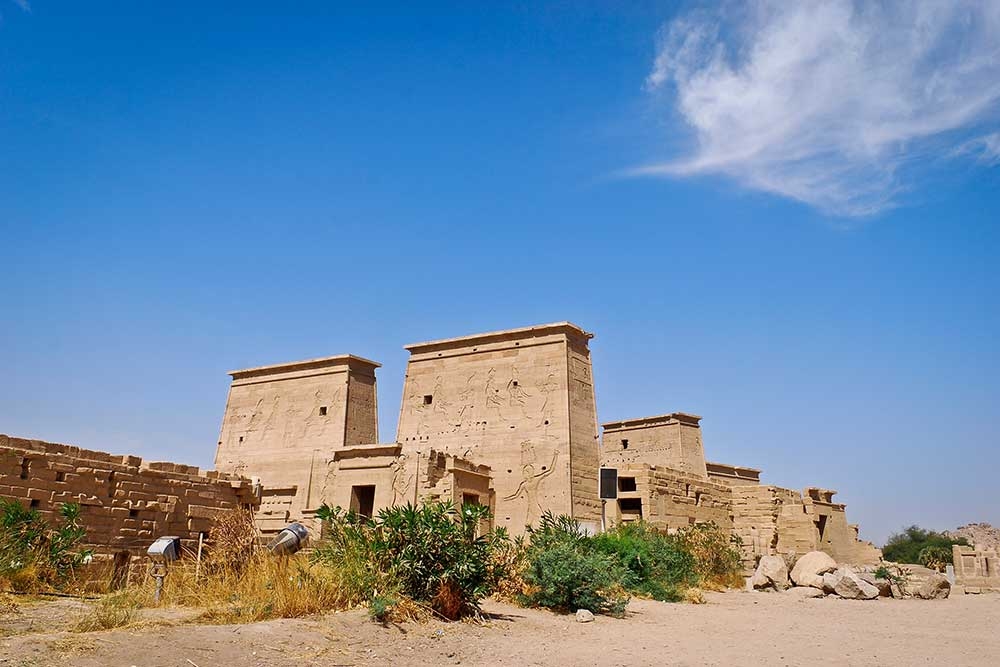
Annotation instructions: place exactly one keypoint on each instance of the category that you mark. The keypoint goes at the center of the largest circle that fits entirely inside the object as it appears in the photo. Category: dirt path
(732, 628)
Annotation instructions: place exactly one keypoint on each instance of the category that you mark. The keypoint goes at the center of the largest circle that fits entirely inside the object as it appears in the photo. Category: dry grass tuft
(116, 610)
(8, 605)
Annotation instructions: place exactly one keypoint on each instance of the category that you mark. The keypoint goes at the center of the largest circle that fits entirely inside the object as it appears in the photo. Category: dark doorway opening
(363, 500)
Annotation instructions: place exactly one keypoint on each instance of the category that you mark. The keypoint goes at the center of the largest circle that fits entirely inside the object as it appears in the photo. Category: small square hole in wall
(515, 383)
(428, 399)
(132, 514)
(60, 476)
(624, 444)
(322, 411)
(241, 438)
(34, 503)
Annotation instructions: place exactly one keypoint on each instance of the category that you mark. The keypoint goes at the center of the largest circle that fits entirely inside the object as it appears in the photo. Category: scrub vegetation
(405, 563)
(918, 546)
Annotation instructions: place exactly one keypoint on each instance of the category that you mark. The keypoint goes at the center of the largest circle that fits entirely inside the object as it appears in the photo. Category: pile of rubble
(816, 574)
(980, 535)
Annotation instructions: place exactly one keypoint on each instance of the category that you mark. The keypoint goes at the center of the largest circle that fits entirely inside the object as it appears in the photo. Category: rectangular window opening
(428, 399)
(626, 484)
(60, 476)
(322, 411)
(631, 508)
(624, 444)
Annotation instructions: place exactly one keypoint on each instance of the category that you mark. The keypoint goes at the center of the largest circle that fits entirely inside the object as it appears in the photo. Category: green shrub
(432, 554)
(35, 554)
(565, 572)
(908, 545)
(656, 565)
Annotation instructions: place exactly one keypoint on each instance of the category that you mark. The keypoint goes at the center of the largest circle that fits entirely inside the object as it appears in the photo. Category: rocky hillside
(982, 535)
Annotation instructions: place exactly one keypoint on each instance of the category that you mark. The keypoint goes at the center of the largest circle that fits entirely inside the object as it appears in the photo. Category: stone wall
(125, 503)
(669, 499)
(976, 569)
(520, 401)
(370, 478)
(770, 520)
(284, 422)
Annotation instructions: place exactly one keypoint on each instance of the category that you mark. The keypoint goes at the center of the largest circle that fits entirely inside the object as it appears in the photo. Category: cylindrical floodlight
(289, 540)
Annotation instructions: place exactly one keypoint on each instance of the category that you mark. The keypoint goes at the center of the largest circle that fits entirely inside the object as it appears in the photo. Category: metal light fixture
(293, 538)
(163, 551)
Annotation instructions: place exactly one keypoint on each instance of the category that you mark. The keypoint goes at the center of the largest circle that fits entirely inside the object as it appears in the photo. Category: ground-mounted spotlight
(163, 551)
(288, 541)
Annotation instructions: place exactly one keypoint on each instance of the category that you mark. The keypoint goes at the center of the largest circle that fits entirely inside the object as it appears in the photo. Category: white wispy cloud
(23, 4)
(831, 103)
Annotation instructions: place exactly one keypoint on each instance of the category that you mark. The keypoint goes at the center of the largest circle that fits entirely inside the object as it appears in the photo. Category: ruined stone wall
(670, 499)
(770, 520)
(283, 423)
(976, 569)
(519, 401)
(125, 503)
(670, 441)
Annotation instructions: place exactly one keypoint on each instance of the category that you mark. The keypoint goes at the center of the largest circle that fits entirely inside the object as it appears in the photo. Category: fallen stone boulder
(584, 615)
(935, 587)
(809, 570)
(830, 580)
(883, 585)
(771, 572)
(852, 587)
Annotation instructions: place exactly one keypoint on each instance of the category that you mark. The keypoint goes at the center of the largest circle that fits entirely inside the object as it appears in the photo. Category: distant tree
(921, 547)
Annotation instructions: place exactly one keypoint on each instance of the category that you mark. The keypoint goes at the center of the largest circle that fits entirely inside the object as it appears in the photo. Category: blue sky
(780, 216)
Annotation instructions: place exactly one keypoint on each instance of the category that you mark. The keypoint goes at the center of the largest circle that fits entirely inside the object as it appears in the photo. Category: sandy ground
(732, 628)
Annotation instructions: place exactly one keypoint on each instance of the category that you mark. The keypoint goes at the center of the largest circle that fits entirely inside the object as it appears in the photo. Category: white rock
(935, 587)
(852, 587)
(772, 572)
(809, 569)
(584, 616)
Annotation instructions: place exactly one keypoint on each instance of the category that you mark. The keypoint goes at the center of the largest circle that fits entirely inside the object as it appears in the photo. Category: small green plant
(898, 577)
(380, 607)
(34, 554)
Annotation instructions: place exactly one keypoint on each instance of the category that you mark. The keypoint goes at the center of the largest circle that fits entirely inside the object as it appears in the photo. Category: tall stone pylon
(520, 401)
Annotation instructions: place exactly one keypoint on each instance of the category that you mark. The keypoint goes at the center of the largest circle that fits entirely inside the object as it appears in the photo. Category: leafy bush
(908, 545)
(717, 555)
(567, 569)
(433, 554)
(656, 565)
(565, 572)
(33, 554)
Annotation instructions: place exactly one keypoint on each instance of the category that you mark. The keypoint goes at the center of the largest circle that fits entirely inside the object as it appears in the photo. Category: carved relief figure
(550, 385)
(516, 395)
(401, 483)
(494, 401)
(467, 400)
(531, 480)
